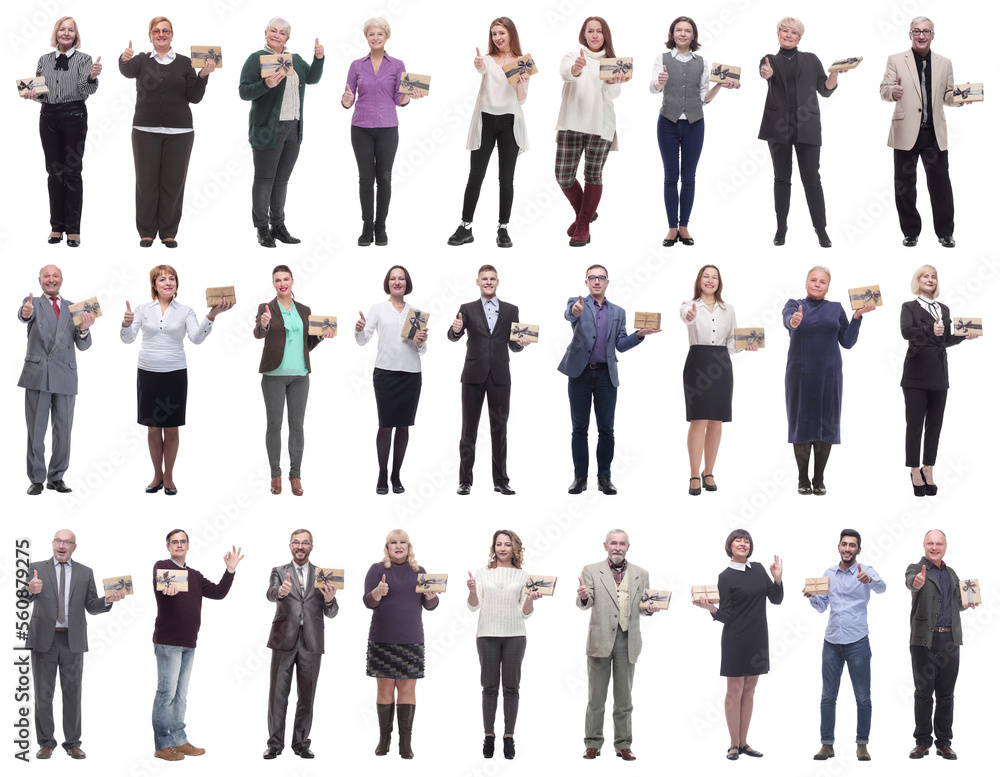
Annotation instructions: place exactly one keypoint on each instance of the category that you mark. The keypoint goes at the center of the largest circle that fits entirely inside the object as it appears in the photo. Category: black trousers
(272, 167)
(63, 129)
(43, 669)
(924, 417)
(161, 164)
(306, 666)
(498, 405)
(938, 185)
(807, 155)
(500, 663)
(497, 131)
(375, 151)
(935, 672)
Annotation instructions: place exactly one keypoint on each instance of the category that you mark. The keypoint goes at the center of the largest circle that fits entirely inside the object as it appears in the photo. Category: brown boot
(404, 717)
(276, 485)
(826, 751)
(384, 728)
(863, 753)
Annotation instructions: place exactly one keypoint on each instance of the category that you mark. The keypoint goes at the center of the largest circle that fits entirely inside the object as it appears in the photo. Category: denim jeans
(596, 385)
(680, 149)
(173, 670)
(857, 656)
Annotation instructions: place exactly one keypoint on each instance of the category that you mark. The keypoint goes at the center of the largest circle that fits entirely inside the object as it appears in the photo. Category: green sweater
(265, 105)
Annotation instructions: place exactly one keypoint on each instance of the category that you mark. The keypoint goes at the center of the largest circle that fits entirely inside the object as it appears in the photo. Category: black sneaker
(462, 236)
(503, 239)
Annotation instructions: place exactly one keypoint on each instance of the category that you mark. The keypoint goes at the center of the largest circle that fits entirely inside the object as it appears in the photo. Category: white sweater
(587, 100)
(501, 594)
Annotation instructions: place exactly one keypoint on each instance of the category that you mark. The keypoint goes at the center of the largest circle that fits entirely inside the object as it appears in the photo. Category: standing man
(612, 590)
(935, 638)
(921, 84)
(851, 586)
(175, 635)
(296, 642)
(49, 378)
(591, 364)
(486, 375)
(63, 592)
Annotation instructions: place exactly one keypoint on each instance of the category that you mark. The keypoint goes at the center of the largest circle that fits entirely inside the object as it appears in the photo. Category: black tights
(382, 440)
(802, 450)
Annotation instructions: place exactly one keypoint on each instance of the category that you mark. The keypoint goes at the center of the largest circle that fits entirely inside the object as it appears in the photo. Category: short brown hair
(738, 534)
(486, 268)
(155, 273)
(695, 45)
(76, 42)
(409, 283)
(300, 531)
(598, 265)
(156, 20)
(515, 558)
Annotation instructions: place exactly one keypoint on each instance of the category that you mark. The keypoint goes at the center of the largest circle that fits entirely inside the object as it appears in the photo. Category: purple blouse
(377, 93)
(396, 618)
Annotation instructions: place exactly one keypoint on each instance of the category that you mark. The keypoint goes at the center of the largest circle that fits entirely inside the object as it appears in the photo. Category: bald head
(935, 545)
(50, 279)
(63, 545)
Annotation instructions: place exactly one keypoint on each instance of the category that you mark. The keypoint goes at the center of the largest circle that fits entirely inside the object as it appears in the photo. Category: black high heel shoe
(824, 239)
(920, 490)
(694, 491)
(931, 488)
(779, 235)
(489, 743)
(705, 485)
(54, 240)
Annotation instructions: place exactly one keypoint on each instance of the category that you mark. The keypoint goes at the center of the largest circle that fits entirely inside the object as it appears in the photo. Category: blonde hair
(156, 20)
(76, 43)
(915, 282)
(159, 270)
(411, 558)
(793, 23)
(379, 22)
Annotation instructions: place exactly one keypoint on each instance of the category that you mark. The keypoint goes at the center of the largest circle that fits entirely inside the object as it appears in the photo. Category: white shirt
(710, 327)
(165, 60)
(394, 351)
(738, 566)
(658, 68)
(587, 105)
(501, 594)
(497, 97)
(162, 347)
(931, 306)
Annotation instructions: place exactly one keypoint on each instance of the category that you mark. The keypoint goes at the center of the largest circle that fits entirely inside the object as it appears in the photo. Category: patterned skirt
(395, 662)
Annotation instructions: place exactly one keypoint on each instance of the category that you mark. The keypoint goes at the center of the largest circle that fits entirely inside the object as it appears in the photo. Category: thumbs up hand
(456, 325)
(918, 581)
(95, 69)
(690, 315)
(897, 90)
(28, 308)
(938, 328)
(796, 318)
(318, 50)
(361, 322)
(129, 316)
(35, 585)
(577, 308)
(661, 79)
(128, 53)
(348, 99)
(380, 590)
(578, 65)
(471, 582)
(478, 62)
(265, 317)
(583, 592)
(286, 587)
(766, 71)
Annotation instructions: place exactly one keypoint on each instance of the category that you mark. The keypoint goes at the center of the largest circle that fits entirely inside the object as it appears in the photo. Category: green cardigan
(265, 106)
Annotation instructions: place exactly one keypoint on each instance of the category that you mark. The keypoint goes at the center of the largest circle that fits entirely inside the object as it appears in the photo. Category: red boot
(574, 194)
(591, 199)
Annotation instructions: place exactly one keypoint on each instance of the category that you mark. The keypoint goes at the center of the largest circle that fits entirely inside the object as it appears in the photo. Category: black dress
(742, 611)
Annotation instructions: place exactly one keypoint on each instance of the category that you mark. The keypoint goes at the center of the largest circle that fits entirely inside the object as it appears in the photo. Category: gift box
(720, 73)
(544, 584)
(845, 64)
(817, 585)
(215, 294)
(660, 599)
(749, 334)
(123, 584)
(200, 54)
(710, 592)
(178, 578)
(87, 306)
(647, 320)
(35, 82)
(524, 330)
(319, 325)
(524, 64)
(615, 66)
(970, 592)
(863, 295)
(272, 63)
(965, 325)
(428, 583)
(334, 577)
(414, 321)
(412, 82)
(967, 93)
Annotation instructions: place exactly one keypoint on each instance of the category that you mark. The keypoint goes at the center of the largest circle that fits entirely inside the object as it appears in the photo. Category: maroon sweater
(178, 618)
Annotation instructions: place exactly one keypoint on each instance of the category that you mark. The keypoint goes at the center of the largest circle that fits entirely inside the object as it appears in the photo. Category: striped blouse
(66, 86)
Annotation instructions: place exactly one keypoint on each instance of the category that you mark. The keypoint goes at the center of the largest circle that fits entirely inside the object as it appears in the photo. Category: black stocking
(399, 451)
(802, 461)
(822, 455)
(382, 440)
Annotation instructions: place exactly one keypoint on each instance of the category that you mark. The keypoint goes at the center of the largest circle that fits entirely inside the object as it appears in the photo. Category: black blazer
(926, 363)
(777, 124)
(274, 335)
(485, 352)
(294, 608)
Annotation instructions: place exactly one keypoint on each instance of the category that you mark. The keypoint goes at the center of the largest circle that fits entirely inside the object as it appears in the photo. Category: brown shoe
(188, 749)
(168, 754)
(947, 752)
(44, 752)
(591, 753)
(76, 752)
(863, 753)
(826, 751)
(276, 485)
(296, 485)
(919, 751)
(625, 754)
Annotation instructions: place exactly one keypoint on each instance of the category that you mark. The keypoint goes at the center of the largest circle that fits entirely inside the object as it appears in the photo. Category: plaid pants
(570, 146)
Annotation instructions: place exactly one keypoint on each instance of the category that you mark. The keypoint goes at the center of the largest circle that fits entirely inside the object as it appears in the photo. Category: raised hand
(863, 577)
(129, 316)
(318, 53)
(286, 587)
(128, 53)
(577, 308)
(28, 308)
(766, 71)
(348, 98)
(583, 592)
(95, 68)
(361, 322)
(456, 325)
(690, 315)
(938, 327)
(918, 581)
(897, 90)
(35, 585)
(380, 590)
(661, 78)
(796, 319)
(471, 582)
(579, 64)
(478, 62)
(233, 558)
(776, 569)
(265, 317)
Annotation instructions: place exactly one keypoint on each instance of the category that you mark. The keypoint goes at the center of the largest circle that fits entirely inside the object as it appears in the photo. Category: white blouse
(587, 105)
(394, 351)
(162, 348)
(710, 327)
(497, 97)
(501, 592)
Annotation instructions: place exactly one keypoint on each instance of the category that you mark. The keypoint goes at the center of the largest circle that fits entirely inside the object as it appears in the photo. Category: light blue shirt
(848, 602)
(492, 309)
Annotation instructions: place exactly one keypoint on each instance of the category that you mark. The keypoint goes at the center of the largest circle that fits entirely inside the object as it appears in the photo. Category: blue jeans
(596, 385)
(857, 656)
(173, 671)
(680, 148)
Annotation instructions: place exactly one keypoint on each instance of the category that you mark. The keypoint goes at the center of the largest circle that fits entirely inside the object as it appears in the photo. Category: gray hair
(820, 267)
(277, 21)
(379, 22)
(918, 19)
(793, 23)
(607, 537)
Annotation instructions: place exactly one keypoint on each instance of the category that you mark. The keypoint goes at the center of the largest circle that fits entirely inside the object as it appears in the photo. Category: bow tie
(62, 62)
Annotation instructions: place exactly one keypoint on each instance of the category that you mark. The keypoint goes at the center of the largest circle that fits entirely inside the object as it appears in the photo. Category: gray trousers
(500, 662)
(279, 390)
(600, 671)
(272, 168)
(43, 669)
(37, 406)
(306, 666)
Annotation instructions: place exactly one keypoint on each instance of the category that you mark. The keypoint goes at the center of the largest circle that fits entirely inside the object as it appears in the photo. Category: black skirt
(708, 383)
(162, 397)
(396, 394)
(396, 662)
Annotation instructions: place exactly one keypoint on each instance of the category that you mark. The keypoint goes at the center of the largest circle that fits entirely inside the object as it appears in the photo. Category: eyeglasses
(922, 33)
(297, 544)
(592, 278)
(67, 543)
(178, 542)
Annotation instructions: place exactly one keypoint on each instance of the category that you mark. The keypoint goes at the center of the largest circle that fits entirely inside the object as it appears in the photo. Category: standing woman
(162, 130)
(586, 124)
(742, 611)
(926, 324)
(283, 325)
(161, 385)
(791, 120)
(71, 78)
(708, 374)
(375, 127)
(497, 120)
(397, 377)
(683, 77)
(276, 108)
(396, 637)
(814, 374)
(502, 591)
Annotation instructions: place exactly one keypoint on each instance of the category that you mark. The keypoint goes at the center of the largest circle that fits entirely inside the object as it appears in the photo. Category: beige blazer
(603, 605)
(905, 125)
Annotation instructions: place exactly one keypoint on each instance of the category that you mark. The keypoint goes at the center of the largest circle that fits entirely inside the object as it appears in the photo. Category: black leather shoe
(705, 485)
(686, 241)
(919, 751)
(367, 234)
(382, 490)
(464, 489)
(824, 239)
(733, 753)
(172, 243)
(508, 748)
(72, 243)
(264, 237)
(462, 236)
(805, 488)
(948, 241)
(154, 489)
(504, 489)
(381, 238)
(694, 491)
(146, 242)
(54, 240)
(747, 750)
(305, 752)
(503, 239)
(397, 488)
(605, 485)
(489, 743)
(920, 490)
(280, 232)
(58, 485)
(947, 752)
(909, 240)
(35, 489)
(668, 243)
(170, 491)
(578, 486)
(818, 488)
(271, 753)
(779, 236)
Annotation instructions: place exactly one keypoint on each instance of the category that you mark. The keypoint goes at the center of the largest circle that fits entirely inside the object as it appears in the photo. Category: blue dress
(814, 377)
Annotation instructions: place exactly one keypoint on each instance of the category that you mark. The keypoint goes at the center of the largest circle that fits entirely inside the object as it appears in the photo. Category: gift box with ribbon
(720, 73)
(970, 592)
(964, 326)
(334, 577)
(201, 54)
(35, 82)
(529, 331)
(967, 93)
(817, 585)
(647, 320)
(863, 295)
(215, 294)
(272, 63)
(615, 66)
(544, 584)
(428, 583)
(176, 577)
(87, 306)
(412, 82)
(320, 325)
(748, 334)
(660, 599)
(122, 583)
(848, 63)
(413, 322)
(524, 64)
(710, 592)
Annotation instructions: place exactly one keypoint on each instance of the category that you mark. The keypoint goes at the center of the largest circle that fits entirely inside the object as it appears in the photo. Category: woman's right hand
(938, 328)
(690, 315)
(766, 71)
(796, 318)
(265, 317)
(361, 322)
(578, 65)
(129, 316)
(347, 100)
(274, 79)
(380, 590)
(661, 79)
(471, 582)
(128, 53)
(478, 62)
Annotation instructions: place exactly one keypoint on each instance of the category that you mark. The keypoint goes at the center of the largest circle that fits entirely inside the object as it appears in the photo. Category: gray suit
(296, 642)
(50, 382)
(63, 650)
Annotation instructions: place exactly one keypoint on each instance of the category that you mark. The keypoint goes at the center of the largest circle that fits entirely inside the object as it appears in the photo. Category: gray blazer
(83, 598)
(603, 605)
(50, 363)
(294, 608)
(925, 606)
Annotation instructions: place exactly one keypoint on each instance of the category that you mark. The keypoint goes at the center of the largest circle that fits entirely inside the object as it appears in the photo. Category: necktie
(923, 91)
(55, 306)
(302, 581)
(61, 593)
